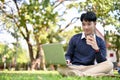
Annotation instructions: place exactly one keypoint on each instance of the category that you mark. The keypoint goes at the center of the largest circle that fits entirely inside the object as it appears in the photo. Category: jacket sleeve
(70, 49)
(101, 55)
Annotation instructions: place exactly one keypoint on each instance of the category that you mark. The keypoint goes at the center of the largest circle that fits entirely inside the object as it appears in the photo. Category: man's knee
(109, 63)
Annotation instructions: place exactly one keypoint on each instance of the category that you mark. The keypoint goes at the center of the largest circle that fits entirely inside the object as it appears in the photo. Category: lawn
(45, 75)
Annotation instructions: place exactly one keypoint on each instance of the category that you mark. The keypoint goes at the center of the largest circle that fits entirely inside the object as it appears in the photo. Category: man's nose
(85, 26)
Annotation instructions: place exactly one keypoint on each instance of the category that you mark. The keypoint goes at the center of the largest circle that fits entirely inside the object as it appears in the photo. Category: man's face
(88, 27)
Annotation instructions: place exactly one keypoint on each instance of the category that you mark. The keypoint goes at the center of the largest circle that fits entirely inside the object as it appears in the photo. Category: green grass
(44, 75)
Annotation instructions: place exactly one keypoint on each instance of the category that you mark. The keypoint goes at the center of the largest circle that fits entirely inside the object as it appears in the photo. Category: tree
(41, 17)
(9, 56)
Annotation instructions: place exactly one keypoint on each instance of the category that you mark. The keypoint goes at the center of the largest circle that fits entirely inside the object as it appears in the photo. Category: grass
(45, 75)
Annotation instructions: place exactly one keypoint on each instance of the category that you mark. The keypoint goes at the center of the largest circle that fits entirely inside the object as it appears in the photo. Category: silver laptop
(54, 53)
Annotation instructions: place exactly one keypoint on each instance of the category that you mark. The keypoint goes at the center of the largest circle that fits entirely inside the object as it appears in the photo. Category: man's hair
(88, 16)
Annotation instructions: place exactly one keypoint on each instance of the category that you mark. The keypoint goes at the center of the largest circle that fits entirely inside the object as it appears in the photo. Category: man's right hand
(68, 62)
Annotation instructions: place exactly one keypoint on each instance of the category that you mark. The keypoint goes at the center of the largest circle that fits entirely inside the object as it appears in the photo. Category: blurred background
(27, 24)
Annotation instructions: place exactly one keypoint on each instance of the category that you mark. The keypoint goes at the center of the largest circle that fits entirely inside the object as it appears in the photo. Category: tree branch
(58, 3)
(27, 32)
(73, 20)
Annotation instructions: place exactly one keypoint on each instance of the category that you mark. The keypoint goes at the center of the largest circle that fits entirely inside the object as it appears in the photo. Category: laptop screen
(54, 53)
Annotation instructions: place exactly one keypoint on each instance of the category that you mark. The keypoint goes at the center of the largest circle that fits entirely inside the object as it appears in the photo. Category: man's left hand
(92, 41)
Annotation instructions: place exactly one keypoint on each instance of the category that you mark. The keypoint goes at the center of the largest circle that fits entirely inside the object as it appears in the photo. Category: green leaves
(2, 0)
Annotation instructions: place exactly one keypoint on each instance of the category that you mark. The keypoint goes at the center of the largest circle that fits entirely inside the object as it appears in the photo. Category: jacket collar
(83, 35)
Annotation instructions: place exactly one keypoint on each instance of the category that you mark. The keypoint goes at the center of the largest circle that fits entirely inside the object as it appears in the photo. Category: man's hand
(92, 41)
(68, 62)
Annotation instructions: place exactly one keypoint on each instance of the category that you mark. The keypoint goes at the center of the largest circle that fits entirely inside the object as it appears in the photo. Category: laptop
(54, 53)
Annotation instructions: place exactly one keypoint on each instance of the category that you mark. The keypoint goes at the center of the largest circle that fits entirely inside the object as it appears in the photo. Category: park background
(27, 24)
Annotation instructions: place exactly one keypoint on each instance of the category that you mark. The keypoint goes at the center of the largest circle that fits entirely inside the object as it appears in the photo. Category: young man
(84, 49)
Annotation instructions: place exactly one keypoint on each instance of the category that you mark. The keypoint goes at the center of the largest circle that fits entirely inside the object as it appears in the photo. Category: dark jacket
(80, 53)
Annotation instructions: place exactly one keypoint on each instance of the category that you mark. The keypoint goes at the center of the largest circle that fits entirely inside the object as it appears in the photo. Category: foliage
(41, 17)
(6, 52)
(22, 56)
(104, 9)
(11, 54)
(113, 40)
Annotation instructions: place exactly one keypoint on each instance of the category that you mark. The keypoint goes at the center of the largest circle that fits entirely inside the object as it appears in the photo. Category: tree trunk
(42, 58)
(33, 61)
(39, 61)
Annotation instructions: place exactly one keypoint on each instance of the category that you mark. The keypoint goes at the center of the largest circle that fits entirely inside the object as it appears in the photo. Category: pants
(98, 69)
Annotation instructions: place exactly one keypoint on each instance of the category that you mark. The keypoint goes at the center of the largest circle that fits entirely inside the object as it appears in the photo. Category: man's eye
(83, 24)
(89, 24)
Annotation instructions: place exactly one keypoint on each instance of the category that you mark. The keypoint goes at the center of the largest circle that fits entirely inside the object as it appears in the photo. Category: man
(86, 48)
